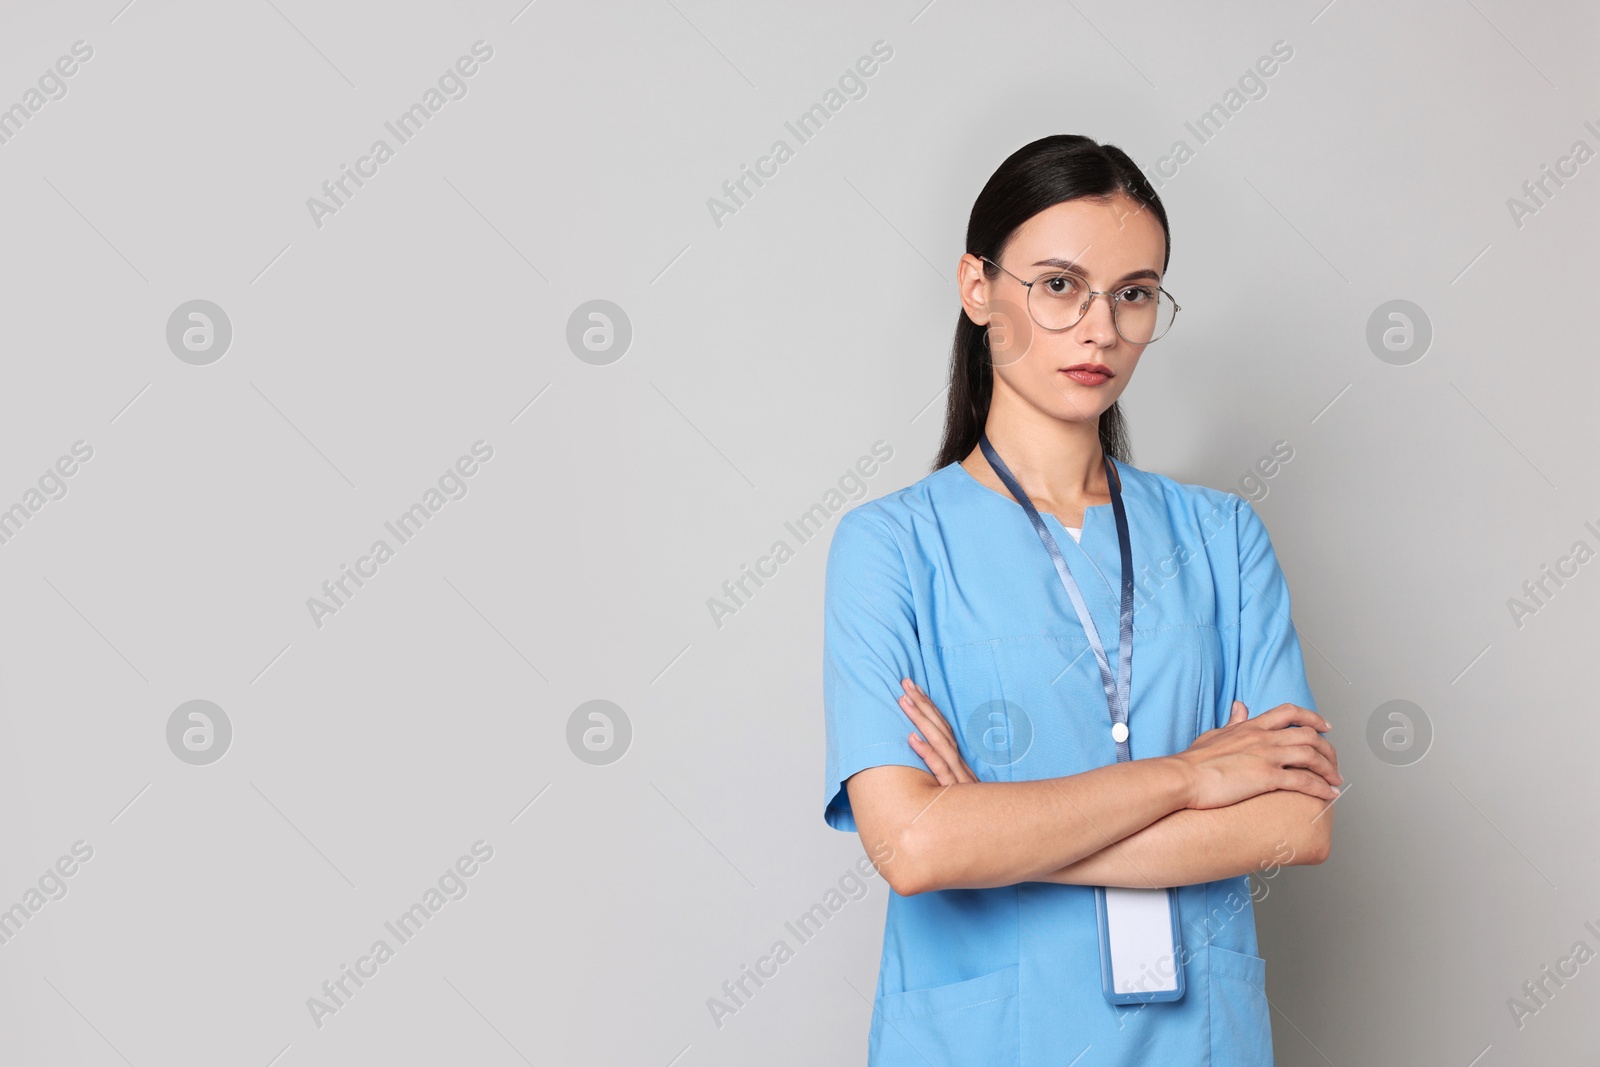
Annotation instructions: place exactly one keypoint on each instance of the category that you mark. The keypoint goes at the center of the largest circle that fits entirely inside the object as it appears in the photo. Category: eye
(1064, 285)
(1135, 295)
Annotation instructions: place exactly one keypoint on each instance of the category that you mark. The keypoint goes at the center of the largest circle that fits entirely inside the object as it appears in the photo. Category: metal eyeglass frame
(1114, 297)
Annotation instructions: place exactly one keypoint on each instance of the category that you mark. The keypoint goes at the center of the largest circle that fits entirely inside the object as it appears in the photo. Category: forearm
(1203, 845)
(978, 835)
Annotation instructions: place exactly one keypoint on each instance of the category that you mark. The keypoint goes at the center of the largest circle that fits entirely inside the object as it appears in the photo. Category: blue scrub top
(946, 582)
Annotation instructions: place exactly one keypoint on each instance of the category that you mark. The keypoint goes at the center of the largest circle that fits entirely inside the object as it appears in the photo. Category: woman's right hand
(1278, 749)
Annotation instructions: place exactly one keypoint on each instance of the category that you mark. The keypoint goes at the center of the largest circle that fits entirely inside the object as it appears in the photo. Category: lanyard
(1116, 693)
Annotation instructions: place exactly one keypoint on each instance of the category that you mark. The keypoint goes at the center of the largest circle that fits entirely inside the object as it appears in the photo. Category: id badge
(1140, 944)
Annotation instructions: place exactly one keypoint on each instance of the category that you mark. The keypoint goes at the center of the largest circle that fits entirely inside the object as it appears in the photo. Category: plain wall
(444, 702)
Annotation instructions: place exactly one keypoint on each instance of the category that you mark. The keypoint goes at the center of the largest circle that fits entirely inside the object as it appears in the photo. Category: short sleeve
(1271, 668)
(869, 643)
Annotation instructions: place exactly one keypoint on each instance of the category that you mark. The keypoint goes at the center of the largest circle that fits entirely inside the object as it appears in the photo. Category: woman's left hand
(937, 746)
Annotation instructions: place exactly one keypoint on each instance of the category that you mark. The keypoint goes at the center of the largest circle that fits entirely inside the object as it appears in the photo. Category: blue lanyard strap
(1117, 692)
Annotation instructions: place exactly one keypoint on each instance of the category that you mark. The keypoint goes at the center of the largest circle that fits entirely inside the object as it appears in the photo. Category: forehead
(1109, 237)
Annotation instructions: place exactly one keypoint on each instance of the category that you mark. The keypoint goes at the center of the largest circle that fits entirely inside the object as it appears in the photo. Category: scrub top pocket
(1241, 1021)
(957, 1025)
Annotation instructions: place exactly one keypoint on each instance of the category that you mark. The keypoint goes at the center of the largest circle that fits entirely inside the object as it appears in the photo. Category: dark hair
(1064, 166)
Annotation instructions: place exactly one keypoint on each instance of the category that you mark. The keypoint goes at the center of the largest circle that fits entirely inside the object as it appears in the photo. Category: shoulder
(892, 530)
(1201, 501)
(1216, 518)
(898, 512)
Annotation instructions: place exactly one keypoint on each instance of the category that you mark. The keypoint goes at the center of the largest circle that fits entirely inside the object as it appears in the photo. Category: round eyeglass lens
(1143, 312)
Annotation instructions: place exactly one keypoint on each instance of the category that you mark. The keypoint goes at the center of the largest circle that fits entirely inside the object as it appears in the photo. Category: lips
(1088, 373)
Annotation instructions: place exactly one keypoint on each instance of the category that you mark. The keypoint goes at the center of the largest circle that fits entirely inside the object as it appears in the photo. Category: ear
(973, 285)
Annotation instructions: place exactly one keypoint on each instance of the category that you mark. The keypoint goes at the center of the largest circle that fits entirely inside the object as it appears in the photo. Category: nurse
(974, 737)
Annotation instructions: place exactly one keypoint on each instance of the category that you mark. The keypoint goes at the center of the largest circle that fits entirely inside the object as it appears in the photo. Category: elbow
(907, 886)
(1304, 831)
(888, 850)
(1316, 850)
(1322, 844)
(1316, 843)
(908, 859)
(906, 870)
(910, 847)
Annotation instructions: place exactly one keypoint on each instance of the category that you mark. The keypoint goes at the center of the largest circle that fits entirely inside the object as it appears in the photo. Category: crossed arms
(1232, 803)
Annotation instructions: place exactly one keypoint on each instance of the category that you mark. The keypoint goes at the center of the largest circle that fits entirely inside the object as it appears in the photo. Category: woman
(972, 684)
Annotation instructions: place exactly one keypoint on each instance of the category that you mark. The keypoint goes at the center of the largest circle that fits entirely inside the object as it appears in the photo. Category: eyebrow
(1067, 264)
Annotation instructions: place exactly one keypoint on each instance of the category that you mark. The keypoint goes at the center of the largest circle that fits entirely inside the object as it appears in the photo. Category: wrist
(1180, 782)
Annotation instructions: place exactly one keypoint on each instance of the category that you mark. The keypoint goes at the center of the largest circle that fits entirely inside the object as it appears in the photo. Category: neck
(1059, 463)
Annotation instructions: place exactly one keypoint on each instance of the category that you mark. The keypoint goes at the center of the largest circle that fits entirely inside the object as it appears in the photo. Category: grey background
(768, 354)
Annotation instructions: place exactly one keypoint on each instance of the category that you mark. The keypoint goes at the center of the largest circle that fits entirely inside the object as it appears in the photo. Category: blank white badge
(1139, 925)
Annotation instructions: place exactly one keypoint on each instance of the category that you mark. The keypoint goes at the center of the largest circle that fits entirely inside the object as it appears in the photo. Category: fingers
(1239, 714)
(1299, 737)
(1311, 759)
(936, 763)
(1323, 745)
(1309, 783)
(916, 702)
(1294, 731)
(1292, 715)
(937, 745)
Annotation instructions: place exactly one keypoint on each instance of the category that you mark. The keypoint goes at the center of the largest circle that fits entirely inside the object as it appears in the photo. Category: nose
(1098, 322)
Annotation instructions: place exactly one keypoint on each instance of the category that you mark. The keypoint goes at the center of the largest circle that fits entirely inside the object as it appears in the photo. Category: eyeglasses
(1058, 301)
